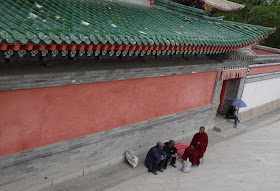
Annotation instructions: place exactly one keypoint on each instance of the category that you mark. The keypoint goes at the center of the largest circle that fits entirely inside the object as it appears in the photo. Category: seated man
(155, 158)
(197, 147)
(171, 153)
(232, 114)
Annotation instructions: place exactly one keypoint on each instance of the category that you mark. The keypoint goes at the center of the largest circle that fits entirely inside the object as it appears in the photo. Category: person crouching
(155, 158)
(171, 153)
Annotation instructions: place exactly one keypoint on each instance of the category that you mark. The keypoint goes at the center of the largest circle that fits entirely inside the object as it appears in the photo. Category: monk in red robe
(197, 147)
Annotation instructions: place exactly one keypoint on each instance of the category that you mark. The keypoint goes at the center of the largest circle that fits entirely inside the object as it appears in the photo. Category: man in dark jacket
(232, 114)
(171, 153)
(155, 158)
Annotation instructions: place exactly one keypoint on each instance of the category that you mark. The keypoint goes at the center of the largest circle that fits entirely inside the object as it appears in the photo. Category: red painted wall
(37, 117)
(262, 52)
(264, 69)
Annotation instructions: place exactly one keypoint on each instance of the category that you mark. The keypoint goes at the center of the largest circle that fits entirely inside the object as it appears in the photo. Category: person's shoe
(173, 165)
(236, 126)
(154, 172)
(160, 169)
(164, 168)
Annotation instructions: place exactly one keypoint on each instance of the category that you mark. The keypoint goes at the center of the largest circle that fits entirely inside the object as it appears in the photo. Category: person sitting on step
(232, 114)
(171, 153)
(155, 158)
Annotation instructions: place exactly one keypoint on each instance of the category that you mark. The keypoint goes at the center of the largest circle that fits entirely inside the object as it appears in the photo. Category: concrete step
(214, 137)
(230, 130)
(234, 131)
(219, 119)
(225, 125)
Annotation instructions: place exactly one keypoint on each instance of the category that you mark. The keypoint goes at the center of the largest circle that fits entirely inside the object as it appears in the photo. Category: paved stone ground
(247, 162)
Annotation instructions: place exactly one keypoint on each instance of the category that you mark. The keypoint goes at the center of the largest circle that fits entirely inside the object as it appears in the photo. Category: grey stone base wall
(258, 111)
(52, 164)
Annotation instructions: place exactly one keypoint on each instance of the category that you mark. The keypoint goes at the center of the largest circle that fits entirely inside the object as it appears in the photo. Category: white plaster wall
(140, 2)
(261, 92)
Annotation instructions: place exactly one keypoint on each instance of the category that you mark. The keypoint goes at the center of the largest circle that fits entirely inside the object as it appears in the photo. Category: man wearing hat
(155, 158)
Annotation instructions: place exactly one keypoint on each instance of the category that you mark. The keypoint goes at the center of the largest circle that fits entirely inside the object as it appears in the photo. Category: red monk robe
(197, 147)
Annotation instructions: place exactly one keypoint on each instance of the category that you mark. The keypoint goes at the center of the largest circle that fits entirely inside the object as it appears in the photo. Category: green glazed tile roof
(119, 23)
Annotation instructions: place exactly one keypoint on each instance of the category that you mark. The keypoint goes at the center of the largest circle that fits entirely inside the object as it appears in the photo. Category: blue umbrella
(238, 103)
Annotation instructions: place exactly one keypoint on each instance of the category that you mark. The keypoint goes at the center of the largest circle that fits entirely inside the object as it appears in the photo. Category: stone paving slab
(232, 131)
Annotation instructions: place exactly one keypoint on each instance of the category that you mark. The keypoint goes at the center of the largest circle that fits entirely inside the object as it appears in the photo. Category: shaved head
(201, 129)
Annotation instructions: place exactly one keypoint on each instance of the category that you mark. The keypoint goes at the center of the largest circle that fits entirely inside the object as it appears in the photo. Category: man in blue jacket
(155, 158)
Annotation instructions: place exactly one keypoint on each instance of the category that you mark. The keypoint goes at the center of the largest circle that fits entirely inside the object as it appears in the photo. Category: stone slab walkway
(247, 162)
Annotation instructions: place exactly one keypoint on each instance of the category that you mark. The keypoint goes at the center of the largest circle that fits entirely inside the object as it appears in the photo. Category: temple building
(83, 81)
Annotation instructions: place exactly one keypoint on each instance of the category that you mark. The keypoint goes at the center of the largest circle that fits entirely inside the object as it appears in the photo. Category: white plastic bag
(132, 160)
(186, 166)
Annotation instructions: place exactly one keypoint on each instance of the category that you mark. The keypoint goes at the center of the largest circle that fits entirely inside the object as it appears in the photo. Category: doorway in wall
(229, 92)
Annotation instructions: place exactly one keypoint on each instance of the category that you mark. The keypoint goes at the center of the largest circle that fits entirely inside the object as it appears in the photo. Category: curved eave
(103, 49)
